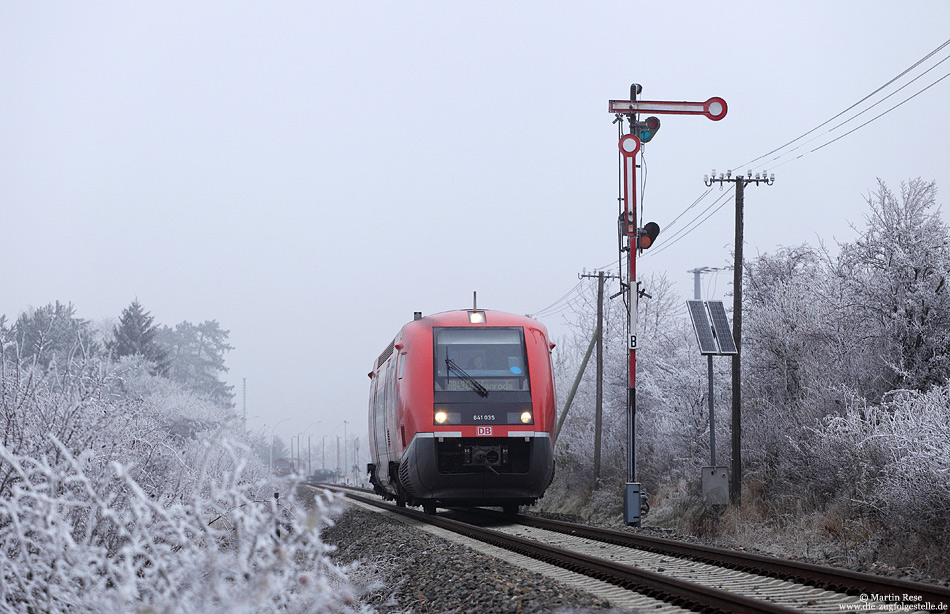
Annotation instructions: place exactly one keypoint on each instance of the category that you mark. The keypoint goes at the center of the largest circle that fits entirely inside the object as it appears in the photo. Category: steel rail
(672, 590)
(831, 578)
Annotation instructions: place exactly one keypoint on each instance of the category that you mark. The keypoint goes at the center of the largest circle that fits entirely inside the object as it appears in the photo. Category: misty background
(309, 174)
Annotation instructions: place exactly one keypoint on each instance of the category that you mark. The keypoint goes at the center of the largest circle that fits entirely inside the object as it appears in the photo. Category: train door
(377, 426)
(384, 417)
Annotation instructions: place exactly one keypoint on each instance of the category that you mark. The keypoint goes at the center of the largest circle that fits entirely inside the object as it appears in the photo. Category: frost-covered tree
(135, 334)
(896, 272)
(574, 451)
(672, 416)
(52, 335)
(798, 353)
(196, 354)
(673, 391)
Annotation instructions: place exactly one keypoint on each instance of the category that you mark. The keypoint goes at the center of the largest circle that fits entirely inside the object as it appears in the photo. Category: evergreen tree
(136, 335)
(196, 359)
(53, 335)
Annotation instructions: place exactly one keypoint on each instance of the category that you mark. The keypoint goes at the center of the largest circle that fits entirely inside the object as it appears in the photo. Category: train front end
(482, 422)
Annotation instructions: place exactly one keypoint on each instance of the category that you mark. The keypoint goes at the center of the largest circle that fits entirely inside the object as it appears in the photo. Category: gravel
(403, 569)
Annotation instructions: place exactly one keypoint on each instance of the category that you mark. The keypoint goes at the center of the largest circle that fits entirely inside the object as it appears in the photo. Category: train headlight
(526, 417)
(441, 417)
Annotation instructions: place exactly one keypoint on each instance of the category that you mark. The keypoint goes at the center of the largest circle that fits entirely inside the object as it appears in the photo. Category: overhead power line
(561, 303)
(696, 221)
(885, 112)
(831, 119)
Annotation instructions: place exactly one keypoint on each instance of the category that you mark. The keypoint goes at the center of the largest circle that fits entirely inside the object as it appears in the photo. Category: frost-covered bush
(78, 539)
(894, 459)
(121, 491)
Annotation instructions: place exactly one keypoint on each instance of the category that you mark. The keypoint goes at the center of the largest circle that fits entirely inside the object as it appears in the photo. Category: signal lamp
(648, 128)
(647, 235)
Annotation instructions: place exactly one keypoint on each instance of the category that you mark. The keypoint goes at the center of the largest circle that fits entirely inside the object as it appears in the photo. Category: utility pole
(599, 398)
(735, 478)
(697, 288)
(637, 239)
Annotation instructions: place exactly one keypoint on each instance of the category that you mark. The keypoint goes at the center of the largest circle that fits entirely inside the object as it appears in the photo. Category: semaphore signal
(639, 239)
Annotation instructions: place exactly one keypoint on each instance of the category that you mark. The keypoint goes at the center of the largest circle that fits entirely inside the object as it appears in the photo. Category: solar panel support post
(714, 338)
(735, 485)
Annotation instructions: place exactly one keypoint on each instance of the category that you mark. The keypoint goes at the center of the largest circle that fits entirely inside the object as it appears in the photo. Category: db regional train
(462, 412)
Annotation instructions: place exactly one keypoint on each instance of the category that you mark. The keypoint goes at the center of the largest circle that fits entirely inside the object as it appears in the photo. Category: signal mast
(638, 239)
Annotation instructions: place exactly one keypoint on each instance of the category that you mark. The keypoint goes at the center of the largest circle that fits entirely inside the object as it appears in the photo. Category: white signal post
(715, 109)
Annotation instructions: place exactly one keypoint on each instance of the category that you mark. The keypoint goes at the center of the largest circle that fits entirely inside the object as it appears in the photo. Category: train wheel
(428, 506)
(400, 502)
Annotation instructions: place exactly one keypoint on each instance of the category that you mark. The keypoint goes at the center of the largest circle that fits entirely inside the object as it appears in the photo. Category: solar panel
(721, 328)
(704, 333)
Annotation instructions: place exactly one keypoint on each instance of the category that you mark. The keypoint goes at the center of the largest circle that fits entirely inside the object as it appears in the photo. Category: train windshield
(480, 361)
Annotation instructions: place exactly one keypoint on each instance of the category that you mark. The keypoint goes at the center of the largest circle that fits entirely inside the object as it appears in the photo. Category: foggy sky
(311, 173)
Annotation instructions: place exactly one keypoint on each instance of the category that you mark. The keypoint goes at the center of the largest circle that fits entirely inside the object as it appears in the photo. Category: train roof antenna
(474, 300)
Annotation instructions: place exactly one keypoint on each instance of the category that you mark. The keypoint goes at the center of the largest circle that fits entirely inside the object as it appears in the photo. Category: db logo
(483, 430)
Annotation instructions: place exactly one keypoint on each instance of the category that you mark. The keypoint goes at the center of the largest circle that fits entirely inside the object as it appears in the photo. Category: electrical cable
(884, 113)
(552, 307)
(693, 204)
(825, 123)
(859, 114)
(695, 224)
(796, 139)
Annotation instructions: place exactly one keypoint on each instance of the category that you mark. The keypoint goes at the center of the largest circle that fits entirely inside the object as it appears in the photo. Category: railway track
(689, 576)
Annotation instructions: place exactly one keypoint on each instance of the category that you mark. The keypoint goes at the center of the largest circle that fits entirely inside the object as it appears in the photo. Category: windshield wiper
(473, 383)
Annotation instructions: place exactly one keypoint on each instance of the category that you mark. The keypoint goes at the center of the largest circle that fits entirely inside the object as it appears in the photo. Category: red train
(462, 412)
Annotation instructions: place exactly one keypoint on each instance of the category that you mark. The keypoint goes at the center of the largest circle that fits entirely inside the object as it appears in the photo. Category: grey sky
(311, 173)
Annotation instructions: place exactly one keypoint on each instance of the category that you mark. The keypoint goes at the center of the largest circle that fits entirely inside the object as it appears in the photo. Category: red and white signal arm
(715, 108)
